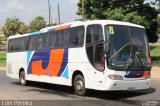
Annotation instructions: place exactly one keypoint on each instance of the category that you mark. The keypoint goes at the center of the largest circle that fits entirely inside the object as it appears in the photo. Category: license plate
(131, 88)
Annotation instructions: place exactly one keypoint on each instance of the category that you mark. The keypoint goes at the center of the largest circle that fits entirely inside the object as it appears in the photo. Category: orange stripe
(55, 61)
(62, 27)
(54, 65)
(37, 67)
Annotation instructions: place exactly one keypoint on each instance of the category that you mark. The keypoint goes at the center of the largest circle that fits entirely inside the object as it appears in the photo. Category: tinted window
(34, 43)
(42, 42)
(94, 33)
(90, 54)
(52, 39)
(76, 36)
(72, 37)
(99, 57)
(11, 46)
(58, 39)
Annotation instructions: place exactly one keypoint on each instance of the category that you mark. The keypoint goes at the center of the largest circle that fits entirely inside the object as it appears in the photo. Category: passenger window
(42, 42)
(99, 57)
(76, 37)
(52, 39)
(94, 33)
(90, 54)
(58, 39)
(94, 46)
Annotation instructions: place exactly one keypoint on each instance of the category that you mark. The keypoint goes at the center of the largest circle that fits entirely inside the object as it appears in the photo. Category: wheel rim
(79, 85)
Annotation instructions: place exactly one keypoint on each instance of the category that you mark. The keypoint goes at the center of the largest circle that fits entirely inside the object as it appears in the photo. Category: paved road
(54, 95)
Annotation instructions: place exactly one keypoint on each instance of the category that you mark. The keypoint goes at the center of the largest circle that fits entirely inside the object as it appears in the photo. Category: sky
(26, 10)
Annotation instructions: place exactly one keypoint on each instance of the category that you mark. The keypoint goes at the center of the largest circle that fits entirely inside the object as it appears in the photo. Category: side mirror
(106, 48)
(147, 67)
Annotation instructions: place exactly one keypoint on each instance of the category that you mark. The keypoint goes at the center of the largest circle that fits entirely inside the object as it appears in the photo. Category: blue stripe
(65, 74)
(34, 33)
(39, 55)
(64, 62)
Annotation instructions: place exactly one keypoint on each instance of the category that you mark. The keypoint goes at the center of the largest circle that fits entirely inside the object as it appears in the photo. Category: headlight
(115, 77)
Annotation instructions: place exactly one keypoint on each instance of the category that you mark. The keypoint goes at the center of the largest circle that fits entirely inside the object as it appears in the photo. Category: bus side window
(63, 38)
(42, 42)
(89, 51)
(99, 57)
(34, 43)
(94, 34)
(66, 38)
(80, 36)
(94, 46)
(90, 36)
(76, 37)
(11, 45)
(73, 38)
(48, 37)
(58, 38)
(52, 39)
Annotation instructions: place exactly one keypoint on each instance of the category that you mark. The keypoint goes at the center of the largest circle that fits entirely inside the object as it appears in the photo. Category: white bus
(102, 55)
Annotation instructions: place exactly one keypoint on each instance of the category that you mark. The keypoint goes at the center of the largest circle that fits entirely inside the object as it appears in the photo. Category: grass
(2, 59)
(155, 54)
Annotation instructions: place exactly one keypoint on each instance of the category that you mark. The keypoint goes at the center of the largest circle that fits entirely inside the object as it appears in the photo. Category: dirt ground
(155, 73)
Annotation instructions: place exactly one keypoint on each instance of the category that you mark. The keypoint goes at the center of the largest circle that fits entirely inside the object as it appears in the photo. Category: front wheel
(22, 78)
(79, 85)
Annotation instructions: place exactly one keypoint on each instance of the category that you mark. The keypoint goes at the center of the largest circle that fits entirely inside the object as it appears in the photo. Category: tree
(14, 26)
(134, 11)
(23, 28)
(11, 26)
(37, 24)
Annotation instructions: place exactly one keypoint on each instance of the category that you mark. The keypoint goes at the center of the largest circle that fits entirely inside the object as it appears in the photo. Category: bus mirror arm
(106, 48)
(147, 67)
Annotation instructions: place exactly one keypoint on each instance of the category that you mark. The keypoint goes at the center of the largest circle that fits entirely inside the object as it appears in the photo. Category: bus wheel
(22, 78)
(79, 85)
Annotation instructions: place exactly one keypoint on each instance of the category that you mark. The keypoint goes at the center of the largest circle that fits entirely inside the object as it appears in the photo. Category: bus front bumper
(128, 85)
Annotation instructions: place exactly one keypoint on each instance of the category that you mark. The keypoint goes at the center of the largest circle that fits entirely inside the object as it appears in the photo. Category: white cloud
(15, 5)
(12, 6)
(26, 10)
(22, 9)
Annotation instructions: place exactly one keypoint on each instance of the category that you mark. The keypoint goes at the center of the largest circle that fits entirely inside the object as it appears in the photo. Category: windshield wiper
(119, 50)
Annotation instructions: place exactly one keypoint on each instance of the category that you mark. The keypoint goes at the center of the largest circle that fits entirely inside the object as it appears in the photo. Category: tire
(22, 78)
(79, 85)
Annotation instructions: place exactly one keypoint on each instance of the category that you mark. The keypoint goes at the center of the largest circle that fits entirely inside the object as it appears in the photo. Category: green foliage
(2, 38)
(2, 59)
(37, 24)
(23, 28)
(158, 29)
(134, 11)
(14, 26)
(155, 54)
(11, 26)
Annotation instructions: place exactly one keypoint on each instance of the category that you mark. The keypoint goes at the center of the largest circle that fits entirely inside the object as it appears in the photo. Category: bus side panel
(78, 61)
(49, 66)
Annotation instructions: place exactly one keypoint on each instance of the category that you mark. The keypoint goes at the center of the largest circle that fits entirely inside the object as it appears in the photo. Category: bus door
(95, 53)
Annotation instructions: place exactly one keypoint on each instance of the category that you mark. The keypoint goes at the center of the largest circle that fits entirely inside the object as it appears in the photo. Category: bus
(102, 55)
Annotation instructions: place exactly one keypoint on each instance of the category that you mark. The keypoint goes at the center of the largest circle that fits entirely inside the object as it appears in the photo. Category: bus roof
(79, 23)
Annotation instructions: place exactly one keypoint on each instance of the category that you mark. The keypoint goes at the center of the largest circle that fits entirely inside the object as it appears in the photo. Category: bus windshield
(127, 47)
